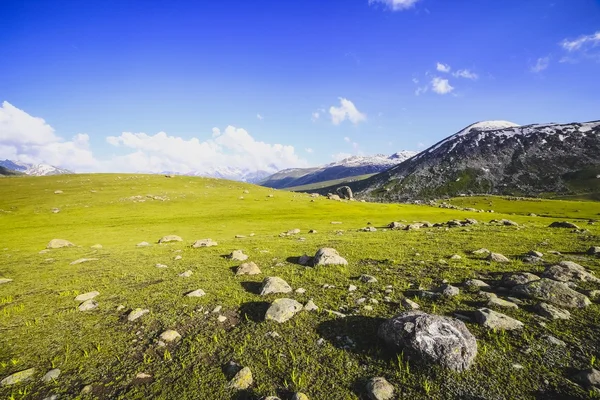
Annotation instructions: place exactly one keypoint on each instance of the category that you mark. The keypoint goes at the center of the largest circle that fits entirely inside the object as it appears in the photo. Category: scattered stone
(18, 377)
(481, 251)
(186, 274)
(196, 293)
(352, 288)
(221, 318)
(369, 229)
(495, 320)
(508, 222)
(87, 389)
(367, 279)
(594, 251)
(568, 271)
(240, 236)
(58, 192)
(249, 268)
(476, 284)
(59, 243)
(521, 278)
(331, 196)
(498, 302)
(449, 290)
(336, 313)
(432, 338)
(455, 257)
(534, 253)
(82, 260)
(345, 192)
(497, 257)
(120, 307)
(217, 309)
(88, 305)
(273, 284)
(556, 293)
(555, 341)
(204, 243)
(328, 256)
(170, 238)
(549, 311)
(87, 296)
(310, 306)
(300, 290)
(169, 336)
(272, 334)
(380, 389)
(413, 227)
(177, 258)
(532, 260)
(137, 313)
(5, 280)
(313, 231)
(396, 225)
(238, 255)
(143, 244)
(161, 266)
(409, 304)
(281, 310)
(563, 224)
(242, 379)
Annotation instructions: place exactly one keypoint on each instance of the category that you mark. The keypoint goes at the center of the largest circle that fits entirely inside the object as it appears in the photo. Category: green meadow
(317, 353)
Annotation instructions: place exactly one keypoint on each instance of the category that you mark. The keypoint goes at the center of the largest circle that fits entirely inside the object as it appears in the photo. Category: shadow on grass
(357, 334)
(254, 311)
(252, 287)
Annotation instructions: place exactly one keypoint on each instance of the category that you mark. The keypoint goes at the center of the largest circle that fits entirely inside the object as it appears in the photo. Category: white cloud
(421, 90)
(309, 150)
(348, 111)
(315, 116)
(347, 139)
(443, 67)
(465, 73)
(260, 117)
(541, 64)
(441, 86)
(582, 42)
(232, 147)
(396, 5)
(30, 139)
(340, 156)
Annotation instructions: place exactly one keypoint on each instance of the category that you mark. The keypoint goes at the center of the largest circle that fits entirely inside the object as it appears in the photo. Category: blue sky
(107, 78)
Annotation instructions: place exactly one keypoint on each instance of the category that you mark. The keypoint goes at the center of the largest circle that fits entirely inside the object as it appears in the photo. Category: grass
(333, 182)
(41, 327)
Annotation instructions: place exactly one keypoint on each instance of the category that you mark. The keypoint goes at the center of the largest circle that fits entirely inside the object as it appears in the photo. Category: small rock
(249, 268)
(481, 251)
(274, 284)
(498, 302)
(367, 278)
(555, 341)
(594, 251)
(238, 255)
(169, 336)
(310, 306)
(409, 304)
(170, 238)
(535, 254)
(161, 266)
(83, 260)
(59, 243)
(549, 311)
(87, 296)
(137, 313)
(455, 257)
(96, 247)
(204, 243)
(476, 284)
(521, 278)
(380, 389)
(177, 258)
(242, 379)
(352, 288)
(196, 293)
(5, 280)
(328, 256)
(143, 244)
(281, 310)
(495, 320)
(58, 192)
(217, 309)
(18, 377)
(497, 257)
(186, 274)
(449, 290)
(88, 305)
(300, 290)
(222, 318)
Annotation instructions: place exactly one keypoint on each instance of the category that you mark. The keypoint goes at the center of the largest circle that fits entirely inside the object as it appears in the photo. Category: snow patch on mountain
(34, 169)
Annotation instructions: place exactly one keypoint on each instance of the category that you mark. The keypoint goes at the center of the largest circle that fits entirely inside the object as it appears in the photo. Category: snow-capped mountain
(33, 169)
(497, 157)
(232, 173)
(348, 167)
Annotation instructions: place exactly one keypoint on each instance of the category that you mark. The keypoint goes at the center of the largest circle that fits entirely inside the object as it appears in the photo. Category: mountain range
(346, 168)
(495, 157)
(33, 169)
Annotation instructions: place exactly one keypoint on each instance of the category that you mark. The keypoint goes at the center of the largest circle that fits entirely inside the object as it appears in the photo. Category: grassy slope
(41, 327)
(333, 182)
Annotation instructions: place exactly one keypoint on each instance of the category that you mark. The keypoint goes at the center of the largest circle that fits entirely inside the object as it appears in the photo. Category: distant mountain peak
(34, 169)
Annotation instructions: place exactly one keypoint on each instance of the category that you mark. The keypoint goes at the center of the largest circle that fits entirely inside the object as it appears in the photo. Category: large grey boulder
(553, 292)
(59, 243)
(566, 271)
(328, 256)
(274, 284)
(379, 389)
(519, 278)
(495, 320)
(345, 192)
(549, 311)
(433, 339)
(169, 239)
(281, 310)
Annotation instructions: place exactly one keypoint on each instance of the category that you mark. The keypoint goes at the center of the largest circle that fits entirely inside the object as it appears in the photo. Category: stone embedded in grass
(535, 253)
(293, 232)
(18, 377)
(238, 255)
(455, 257)
(204, 243)
(96, 247)
(87, 296)
(566, 271)
(5, 280)
(161, 266)
(434, 339)
(170, 238)
(143, 244)
(413, 227)
(352, 288)
(300, 290)
(495, 320)
(249, 268)
(58, 192)
(549, 311)
(368, 229)
(481, 251)
(520, 278)
(396, 225)
(274, 284)
(408, 304)
(281, 310)
(379, 389)
(137, 313)
(55, 210)
(59, 243)
(328, 256)
(170, 336)
(310, 306)
(497, 257)
(88, 305)
(367, 279)
(221, 318)
(242, 380)
(186, 274)
(498, 302)
(508, 222)
(476, 284)
(51, 375)
(82, 260)
(447, 290)
(217, 309)
(594, 251)
(563, 224)
(177, 258)
(196, 293)
(553, 292)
